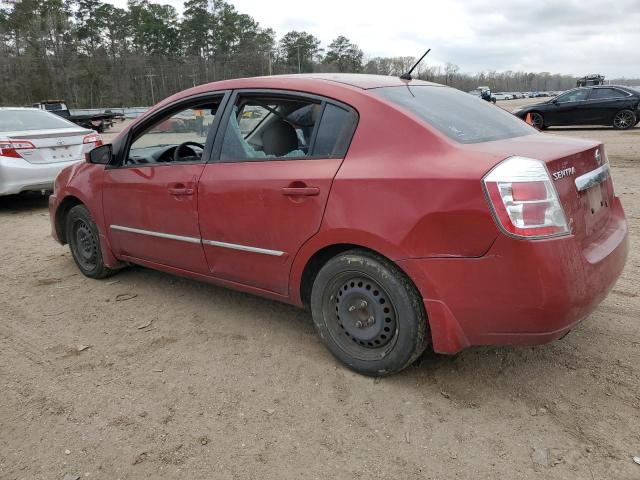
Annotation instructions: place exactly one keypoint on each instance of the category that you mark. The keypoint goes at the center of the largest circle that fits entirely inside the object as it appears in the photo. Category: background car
(35, 145)
(455, 225)
(597, 105)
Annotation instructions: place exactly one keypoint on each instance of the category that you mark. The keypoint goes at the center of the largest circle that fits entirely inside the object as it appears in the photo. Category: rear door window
(458, 115)
(262, 127)
(604, 93)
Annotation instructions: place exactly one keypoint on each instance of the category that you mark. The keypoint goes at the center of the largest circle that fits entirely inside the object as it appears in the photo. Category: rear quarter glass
(458, 115)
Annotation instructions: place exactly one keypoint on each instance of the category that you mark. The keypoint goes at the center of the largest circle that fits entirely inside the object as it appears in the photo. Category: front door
(266, 193)
(150, 199)
(568, 108)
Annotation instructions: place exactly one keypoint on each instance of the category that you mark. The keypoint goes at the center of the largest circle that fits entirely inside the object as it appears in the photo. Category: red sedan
(403, 214)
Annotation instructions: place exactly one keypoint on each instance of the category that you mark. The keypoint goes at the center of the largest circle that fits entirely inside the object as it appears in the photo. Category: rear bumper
(18, 175)
(520, 292)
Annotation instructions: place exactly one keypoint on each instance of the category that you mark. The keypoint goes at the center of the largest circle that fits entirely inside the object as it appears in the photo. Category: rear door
(604, 102)
(264, 194)
(150, 198)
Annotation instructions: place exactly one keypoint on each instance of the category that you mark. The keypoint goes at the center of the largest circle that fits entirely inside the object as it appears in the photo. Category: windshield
(460, 116)
(14, 120)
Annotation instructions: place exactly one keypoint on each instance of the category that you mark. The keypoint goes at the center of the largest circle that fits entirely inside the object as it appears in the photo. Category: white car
(35, 145)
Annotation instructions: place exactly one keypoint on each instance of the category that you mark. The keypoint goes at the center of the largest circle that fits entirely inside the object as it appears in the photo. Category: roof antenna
(407, 76)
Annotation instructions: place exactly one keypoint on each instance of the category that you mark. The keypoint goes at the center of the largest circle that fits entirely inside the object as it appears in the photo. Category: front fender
(82, 183)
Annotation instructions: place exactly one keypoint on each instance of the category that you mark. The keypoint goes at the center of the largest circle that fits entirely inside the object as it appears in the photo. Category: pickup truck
(98, 122)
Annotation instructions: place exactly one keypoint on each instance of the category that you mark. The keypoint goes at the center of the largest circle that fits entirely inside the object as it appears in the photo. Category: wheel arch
(302, 288)
(67, 204)
(315, 263)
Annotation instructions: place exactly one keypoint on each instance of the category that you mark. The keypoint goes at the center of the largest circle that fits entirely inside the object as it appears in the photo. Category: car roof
(350, 80)
(360, 80)
(314, 83)
(21, 108)
(623, 87)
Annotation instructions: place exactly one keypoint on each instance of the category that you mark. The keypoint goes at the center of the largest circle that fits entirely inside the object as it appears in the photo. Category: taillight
(523, 199)
(93, 138)
(9, 148)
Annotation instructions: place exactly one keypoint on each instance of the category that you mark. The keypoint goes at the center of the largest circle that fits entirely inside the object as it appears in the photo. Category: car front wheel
(84, 243)
(537, 120)
(624, 119)
(368, 313)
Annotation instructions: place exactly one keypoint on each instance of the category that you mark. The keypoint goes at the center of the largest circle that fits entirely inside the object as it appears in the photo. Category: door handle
(301, 191)
(181, 191)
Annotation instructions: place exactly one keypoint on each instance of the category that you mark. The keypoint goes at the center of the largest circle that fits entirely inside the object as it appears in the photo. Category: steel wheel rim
(536, 119)
(623, 120)
(85, 246)
(360, 316)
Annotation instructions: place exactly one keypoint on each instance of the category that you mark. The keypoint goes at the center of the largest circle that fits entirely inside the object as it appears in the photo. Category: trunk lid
(587, 210)
(53, 145)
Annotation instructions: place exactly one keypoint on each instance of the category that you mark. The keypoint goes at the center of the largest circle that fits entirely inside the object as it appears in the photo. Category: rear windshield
(15, 120)
(460, 116)
(55, 106)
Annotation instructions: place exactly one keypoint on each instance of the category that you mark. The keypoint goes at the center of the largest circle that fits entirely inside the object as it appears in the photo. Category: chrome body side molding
(156, 234)
(235, 246)
(213, 243)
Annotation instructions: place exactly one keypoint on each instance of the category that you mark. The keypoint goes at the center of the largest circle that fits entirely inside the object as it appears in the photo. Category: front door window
(177, 138)
(573, 96)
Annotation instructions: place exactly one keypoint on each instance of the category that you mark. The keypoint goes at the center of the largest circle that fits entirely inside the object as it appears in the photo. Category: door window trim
(283, 93)
(167, 111)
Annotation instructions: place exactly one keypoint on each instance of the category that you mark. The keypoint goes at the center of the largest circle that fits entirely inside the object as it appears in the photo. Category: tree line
(94, 54)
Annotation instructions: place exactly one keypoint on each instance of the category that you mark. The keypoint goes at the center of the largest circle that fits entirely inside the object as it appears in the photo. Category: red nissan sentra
(402, 213)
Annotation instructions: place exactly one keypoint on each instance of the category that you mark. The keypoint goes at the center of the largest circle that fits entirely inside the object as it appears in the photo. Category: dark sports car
(595, 105)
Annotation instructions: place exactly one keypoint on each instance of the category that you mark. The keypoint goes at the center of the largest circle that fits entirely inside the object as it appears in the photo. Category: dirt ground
(146, 375)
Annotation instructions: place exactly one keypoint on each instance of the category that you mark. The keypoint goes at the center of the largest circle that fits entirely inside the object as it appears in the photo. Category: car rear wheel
(368, 313)
(537, 120)
(84, 243)
(624, 119)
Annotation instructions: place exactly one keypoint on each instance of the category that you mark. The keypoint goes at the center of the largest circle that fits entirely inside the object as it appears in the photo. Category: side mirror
(554, 101)
(100, 155)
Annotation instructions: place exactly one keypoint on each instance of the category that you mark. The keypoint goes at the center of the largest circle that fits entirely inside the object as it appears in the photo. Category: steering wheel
(182, 146)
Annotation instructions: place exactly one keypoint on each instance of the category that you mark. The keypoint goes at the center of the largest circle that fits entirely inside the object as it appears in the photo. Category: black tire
(381, 325)
(624, 119)
(84, 242)
(537, 119)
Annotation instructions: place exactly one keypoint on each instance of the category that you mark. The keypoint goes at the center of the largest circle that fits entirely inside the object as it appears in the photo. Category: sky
(576, 37)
